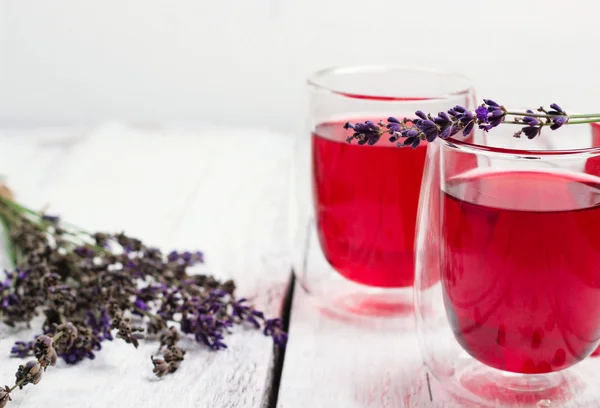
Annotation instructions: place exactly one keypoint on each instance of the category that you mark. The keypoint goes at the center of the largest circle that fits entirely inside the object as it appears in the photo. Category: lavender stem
(544, 115)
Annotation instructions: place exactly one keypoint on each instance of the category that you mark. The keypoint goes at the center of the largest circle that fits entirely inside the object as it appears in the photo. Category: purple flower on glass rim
(482, 114)
(421, 115)
(556, 110)
(469, 128)
(491, 103)
(531, 121)
(531, 132)
(558, 122)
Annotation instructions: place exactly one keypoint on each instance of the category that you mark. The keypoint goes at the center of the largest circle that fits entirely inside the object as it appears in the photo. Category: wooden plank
(221, 191)
(335, 363)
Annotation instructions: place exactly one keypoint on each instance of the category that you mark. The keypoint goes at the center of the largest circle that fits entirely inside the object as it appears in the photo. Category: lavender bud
(373, 139)
(29, 373)
(446, 133)
(467, 116)
(444, 116)
(44, 351)
(460, 109)
(558, 122)
(4, 396)
(371, 126)
(395, 128)
(411, 141)
(531, 132)
(482, 114)
(393, 120)
(469, 128)
(455, 130)
(21, 349)
(557, 108)
(489, 102)
(426, 124)
(497, 113)
(431, 135)
(161, 367)
(410, 133)
(421, 114)
(531, 121)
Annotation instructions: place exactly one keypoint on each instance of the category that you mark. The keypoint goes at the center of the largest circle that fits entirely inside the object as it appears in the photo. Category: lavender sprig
(95, 287)
(490, 114)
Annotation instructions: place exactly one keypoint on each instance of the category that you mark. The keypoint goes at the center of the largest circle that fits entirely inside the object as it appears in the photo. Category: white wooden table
(223, 191)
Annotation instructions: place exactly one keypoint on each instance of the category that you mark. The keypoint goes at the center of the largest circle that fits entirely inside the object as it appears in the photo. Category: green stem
(544, 115)
(54, 338)
(22, 209)
(20, 382)
(571, 122)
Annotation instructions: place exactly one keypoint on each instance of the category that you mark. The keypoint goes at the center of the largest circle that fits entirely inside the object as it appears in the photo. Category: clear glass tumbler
(507, 287)
(354, 206)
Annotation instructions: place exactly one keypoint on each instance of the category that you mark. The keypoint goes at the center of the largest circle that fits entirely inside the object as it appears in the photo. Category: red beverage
(521, 267)
(366, 200)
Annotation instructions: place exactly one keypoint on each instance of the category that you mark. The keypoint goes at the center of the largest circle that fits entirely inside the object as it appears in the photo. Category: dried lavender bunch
(93, 287)
(461, 120)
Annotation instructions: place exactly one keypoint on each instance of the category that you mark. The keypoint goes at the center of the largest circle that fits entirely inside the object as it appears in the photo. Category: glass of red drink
(354, 206)
(509, 232)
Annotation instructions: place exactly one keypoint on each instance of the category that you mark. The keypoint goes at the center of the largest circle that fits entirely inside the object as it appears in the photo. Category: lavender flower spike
(458, 119)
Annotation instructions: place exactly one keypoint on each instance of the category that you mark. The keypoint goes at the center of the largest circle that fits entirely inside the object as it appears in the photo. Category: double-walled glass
(507, 284)
(354, 207)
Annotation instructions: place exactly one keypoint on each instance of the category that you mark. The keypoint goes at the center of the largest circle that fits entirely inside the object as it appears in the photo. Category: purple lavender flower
(99, 322)
(531, 121)
(410, 141)
(274, 328)
(22, 349)
(421, 115)
(84, 252)
(5, 396)
(246, 313)
(469, 128)
(558, 122)
(445, 125)
(482, 114)
(556, 110)
(531, 132)
(429, 129)
(30, 373)
(491, 103)
(173, 256)
(76, 354)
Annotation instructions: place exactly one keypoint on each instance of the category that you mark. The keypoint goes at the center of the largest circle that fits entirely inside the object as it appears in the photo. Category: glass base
(338, 300)
(341, 298)
(488, 387)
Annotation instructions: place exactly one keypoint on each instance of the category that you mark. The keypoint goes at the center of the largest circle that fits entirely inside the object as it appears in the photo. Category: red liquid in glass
(521, 268)
(366, 200)
(593, 167)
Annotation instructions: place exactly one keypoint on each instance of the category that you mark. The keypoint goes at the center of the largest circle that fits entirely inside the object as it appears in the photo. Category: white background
(243, 62)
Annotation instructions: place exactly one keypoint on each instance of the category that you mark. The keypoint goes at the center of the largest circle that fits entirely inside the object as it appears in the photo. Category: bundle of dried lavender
(88, 285)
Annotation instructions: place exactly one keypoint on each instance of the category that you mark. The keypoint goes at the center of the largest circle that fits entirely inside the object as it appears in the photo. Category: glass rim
(480, 149)
(313, 80)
